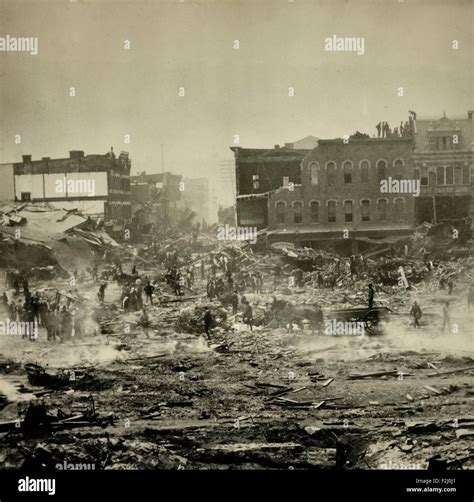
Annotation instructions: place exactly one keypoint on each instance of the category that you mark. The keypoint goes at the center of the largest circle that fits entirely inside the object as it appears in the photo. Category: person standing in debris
(16, 285)
(13, 311)
(450, 285)
(180, 283)
(442, 281)
(25, 284)
(66, 324)
(5, 300)
(259, 281)
(35, 307)
(370, 299)
(208, 320)
(446, 316)
(138, 288)
(190, 277)
(94, 272)
(248, 316)
(101, 293)
(210, 288)
(230, 283)
(47, 322)
(470, 297)
(220, 287)
(298, 276)
(144, 322)
(416, 313)
(149, 293)
(352, 265)
(235, 302)
(320, 280)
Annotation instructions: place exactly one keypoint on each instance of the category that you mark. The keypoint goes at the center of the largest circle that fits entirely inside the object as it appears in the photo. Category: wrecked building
(259, 171)
(97, 185)
(155, 199)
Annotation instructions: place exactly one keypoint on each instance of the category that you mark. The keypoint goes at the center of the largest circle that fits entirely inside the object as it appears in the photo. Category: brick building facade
(259, 172)
(339, 196)
(444, 163)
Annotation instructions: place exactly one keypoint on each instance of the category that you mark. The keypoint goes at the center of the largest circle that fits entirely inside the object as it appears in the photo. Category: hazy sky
(227, 91)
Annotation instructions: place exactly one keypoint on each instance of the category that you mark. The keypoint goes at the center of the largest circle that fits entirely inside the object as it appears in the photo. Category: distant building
(339, 199)
(259, 171)
(444, 163)
(97, 185)
(196, 196)
(155, 199)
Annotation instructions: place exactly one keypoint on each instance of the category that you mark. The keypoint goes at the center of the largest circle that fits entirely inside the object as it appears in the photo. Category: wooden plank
(432, 389)
(328, 382)
(449, 372)
(355, 376)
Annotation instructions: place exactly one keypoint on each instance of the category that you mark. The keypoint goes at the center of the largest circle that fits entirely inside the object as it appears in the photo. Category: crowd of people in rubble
(59, 316)
(404, 130)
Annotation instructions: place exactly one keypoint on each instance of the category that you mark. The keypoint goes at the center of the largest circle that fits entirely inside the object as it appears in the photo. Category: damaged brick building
(260, 171)
(339, 199)
(96, 185)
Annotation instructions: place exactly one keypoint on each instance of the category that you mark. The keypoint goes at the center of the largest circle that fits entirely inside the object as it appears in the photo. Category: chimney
(76, 154)
(26, 159)
(277, 147)
(469, 114)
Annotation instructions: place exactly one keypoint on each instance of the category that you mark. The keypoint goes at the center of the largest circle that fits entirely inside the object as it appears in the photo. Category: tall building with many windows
(341, 198)
(444, 163)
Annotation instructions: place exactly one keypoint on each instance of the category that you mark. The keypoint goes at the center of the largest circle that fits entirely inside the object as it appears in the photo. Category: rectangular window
(449, 175)
(399, 210)
(465, 175)
(424, 177)
(348, 211)
(314, 212)
(382, 210)
(331, 212)
(298, 212)
(440, 175)
(457, 175)
(365, 210)
(256, 182)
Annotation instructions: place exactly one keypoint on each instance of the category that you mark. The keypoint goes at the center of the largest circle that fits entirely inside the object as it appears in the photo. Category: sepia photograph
(237, 235)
